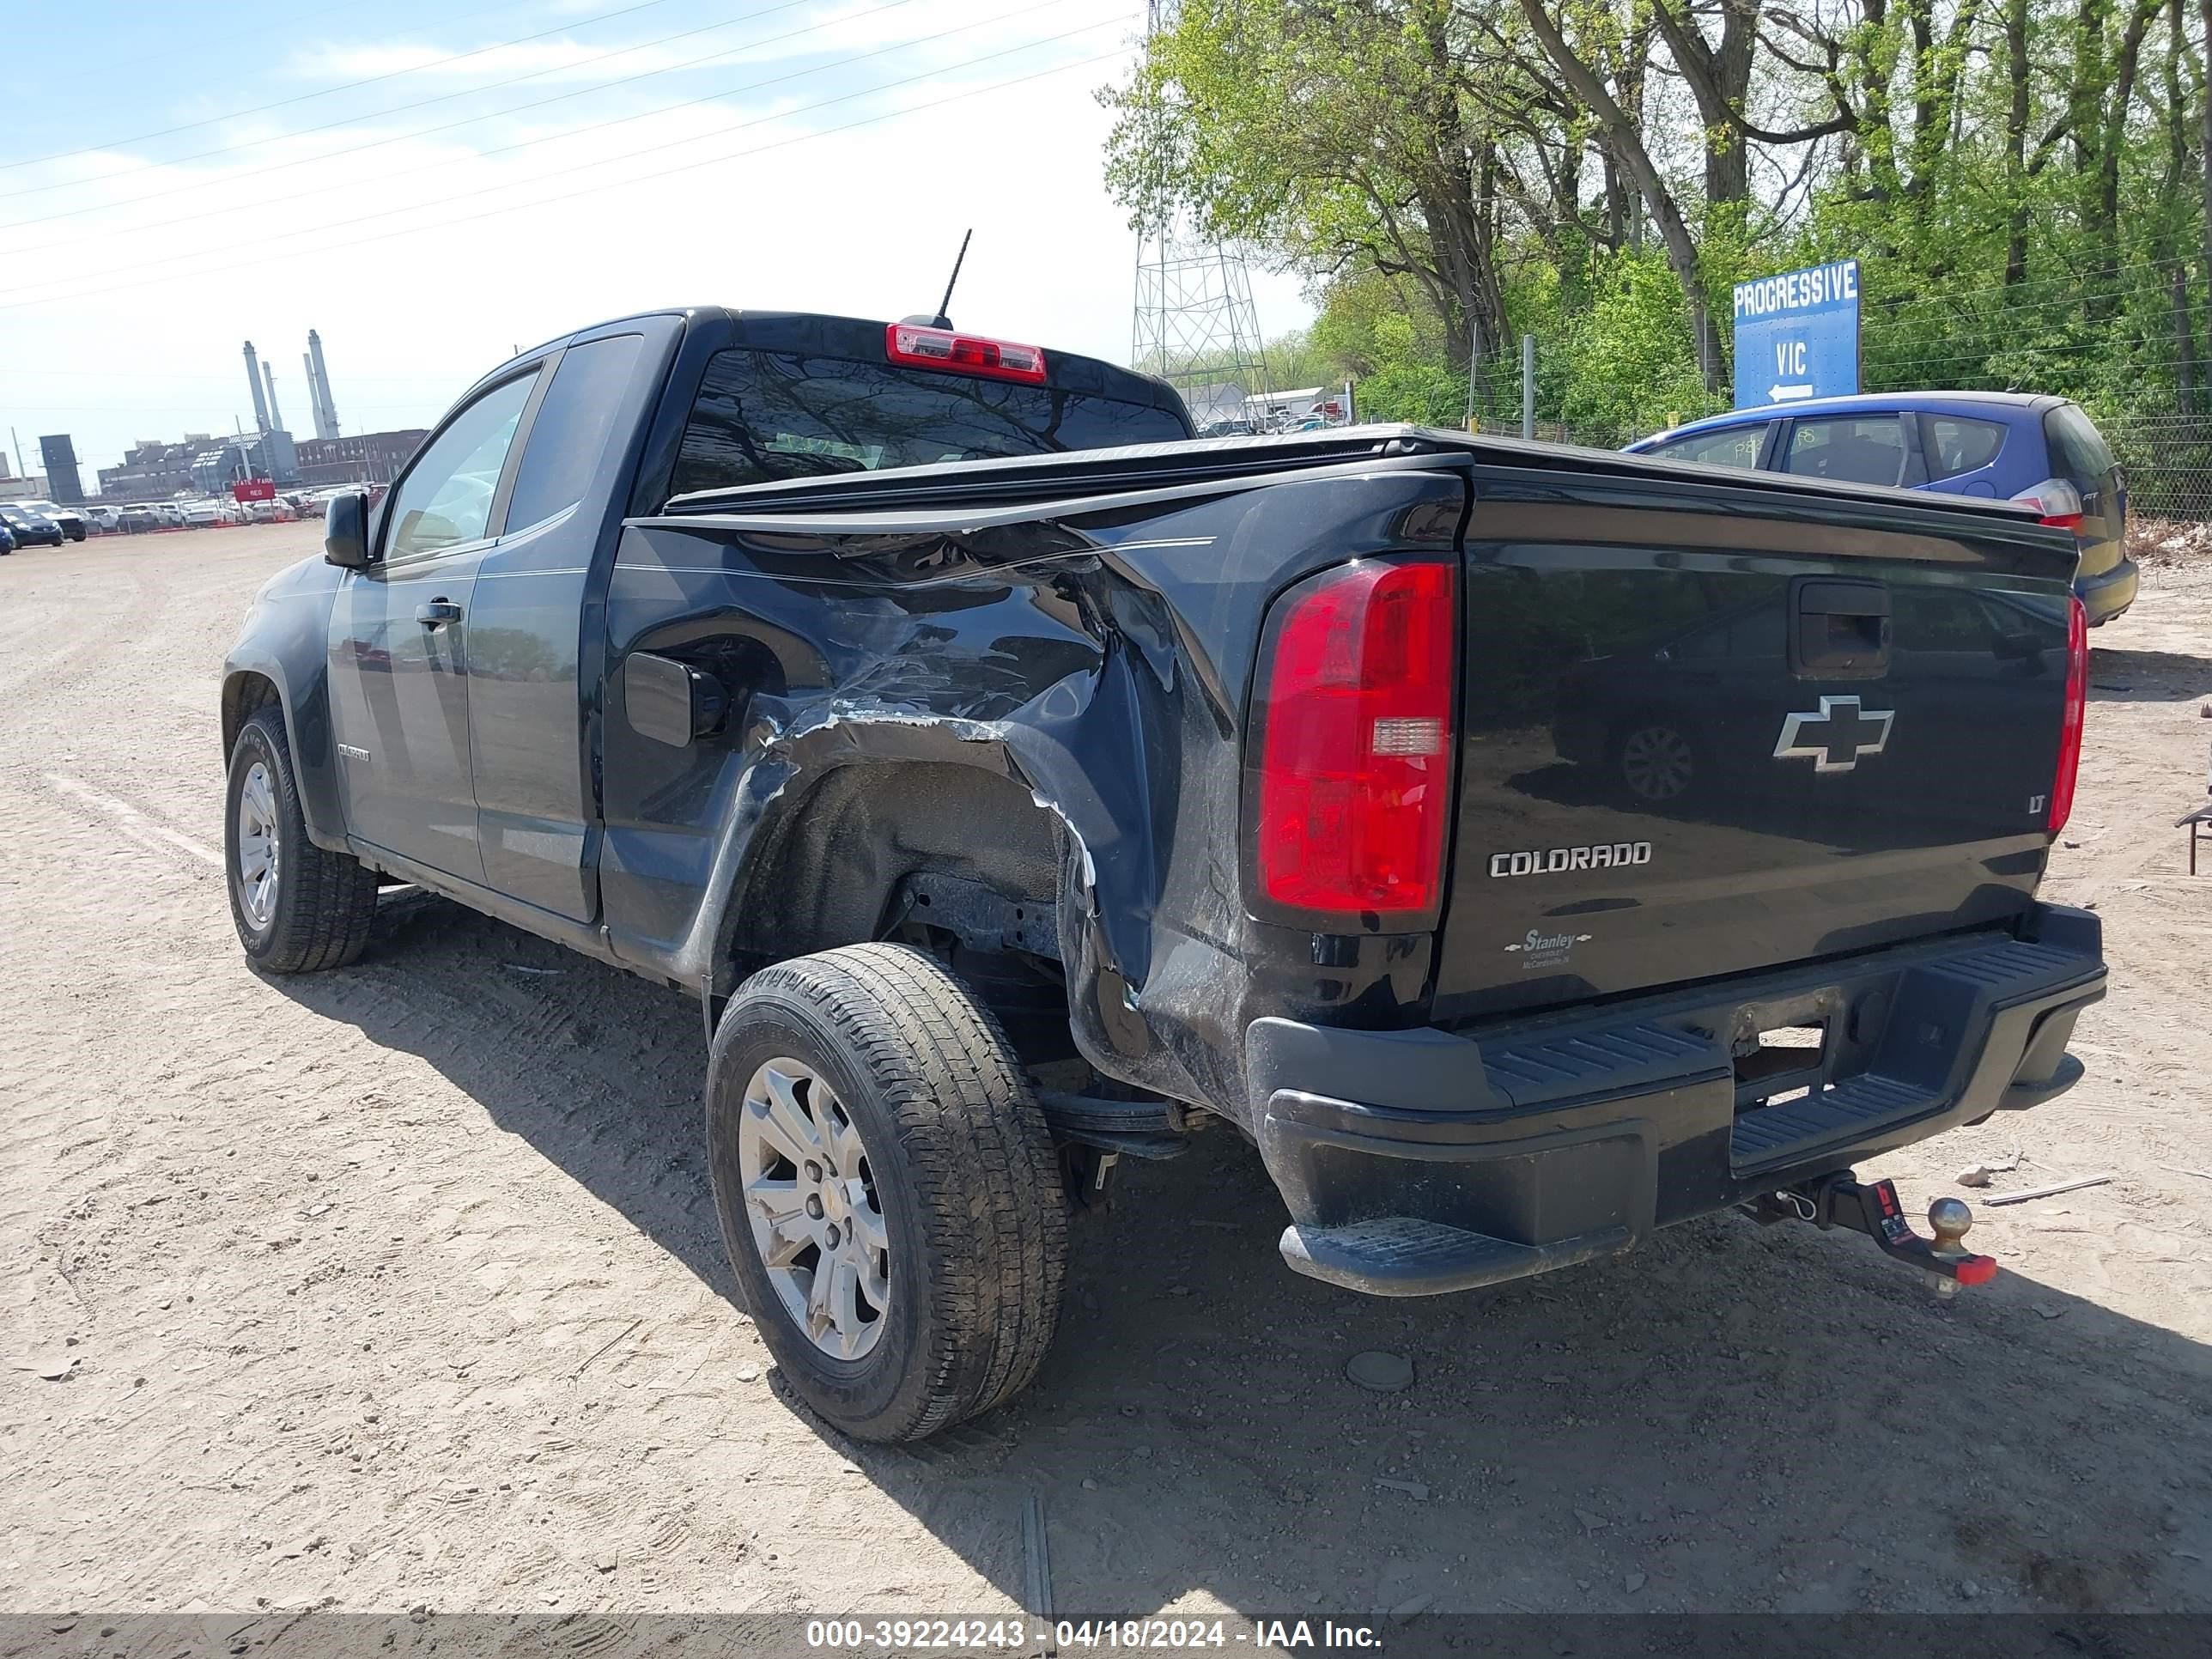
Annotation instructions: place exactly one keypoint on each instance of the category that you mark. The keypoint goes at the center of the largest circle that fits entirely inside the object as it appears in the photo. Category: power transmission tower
(1195, 326)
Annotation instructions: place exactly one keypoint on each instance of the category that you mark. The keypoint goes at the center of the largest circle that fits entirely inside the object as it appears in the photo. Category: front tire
(297, 909)
(887, 1190)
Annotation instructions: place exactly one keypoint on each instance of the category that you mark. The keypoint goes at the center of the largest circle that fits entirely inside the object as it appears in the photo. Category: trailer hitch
(1838, 1201)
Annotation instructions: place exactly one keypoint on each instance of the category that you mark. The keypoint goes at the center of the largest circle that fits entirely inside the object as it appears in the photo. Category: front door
(398, 648)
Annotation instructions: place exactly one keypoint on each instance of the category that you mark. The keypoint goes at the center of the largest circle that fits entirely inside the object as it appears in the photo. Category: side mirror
(345, 529)
(670, 701)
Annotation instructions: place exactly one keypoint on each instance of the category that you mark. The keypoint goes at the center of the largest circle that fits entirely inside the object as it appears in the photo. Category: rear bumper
(2108, 592)
(1420, 1162)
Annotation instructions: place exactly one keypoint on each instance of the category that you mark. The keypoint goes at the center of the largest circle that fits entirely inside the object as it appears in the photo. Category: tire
(949, 1162)
(315, 910)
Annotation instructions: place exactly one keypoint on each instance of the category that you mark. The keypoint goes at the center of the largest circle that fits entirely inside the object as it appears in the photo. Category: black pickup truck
(1523, 847)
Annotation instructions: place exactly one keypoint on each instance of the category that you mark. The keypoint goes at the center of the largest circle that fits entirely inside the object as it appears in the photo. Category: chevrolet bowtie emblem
(1836, 737)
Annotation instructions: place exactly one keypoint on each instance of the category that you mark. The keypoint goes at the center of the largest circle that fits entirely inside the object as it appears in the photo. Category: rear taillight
(1353, 713)
(964, 353)
(2077, 706)
(2058, 501)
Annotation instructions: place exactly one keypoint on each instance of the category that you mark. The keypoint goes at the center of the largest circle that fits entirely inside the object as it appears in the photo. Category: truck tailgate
(1707, 734)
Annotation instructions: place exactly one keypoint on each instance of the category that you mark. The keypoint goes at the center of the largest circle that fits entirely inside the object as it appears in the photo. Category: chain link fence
(2167, 462)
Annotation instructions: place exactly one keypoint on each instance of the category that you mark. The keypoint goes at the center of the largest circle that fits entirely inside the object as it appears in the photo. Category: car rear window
(2078, 453)
(1737, 445)
(763, 417)
(1852, 448)
(1957, 444)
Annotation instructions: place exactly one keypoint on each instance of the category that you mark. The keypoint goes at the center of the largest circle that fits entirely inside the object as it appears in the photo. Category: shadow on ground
(1731, 1418)
(2124, 675)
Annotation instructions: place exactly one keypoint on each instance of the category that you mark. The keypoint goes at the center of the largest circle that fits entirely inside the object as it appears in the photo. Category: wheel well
(243, 693)
(842, 850)
(860, 856)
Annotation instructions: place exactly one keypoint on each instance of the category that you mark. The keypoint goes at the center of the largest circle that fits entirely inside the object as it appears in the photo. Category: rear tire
(297, 909)
(876, 1069)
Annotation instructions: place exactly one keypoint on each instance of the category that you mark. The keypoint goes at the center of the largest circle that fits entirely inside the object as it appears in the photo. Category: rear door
(1701, 738)
(399, 641)
(1876, 448)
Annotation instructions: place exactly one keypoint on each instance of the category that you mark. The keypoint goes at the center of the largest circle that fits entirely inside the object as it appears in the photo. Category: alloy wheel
(260, 849)
(810, 1198)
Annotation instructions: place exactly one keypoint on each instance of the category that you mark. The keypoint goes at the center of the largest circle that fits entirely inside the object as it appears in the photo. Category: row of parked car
(39, 524)
(45, 524)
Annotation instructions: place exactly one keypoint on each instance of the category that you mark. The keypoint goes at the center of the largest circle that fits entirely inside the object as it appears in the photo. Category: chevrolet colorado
(1524, 847)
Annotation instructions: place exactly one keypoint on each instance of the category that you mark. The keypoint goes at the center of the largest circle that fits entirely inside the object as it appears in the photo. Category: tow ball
(1838, 1201)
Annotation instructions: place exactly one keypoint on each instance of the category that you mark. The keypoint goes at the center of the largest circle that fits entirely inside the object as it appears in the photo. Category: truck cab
(1524, 847)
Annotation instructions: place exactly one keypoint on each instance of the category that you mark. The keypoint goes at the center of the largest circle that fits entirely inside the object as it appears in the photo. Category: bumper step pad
(1963, 992)
(1836, 1112)
(1400, 1255)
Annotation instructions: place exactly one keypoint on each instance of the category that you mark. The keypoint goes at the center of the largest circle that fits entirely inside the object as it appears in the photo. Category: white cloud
(416, 292)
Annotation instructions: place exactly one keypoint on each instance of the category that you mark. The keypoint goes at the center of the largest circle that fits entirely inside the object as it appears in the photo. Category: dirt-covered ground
(400, 1285)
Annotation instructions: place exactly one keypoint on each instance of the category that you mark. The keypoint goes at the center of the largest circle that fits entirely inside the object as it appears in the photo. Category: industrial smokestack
(314, 395)
(254, 380)
(269, 380)
(326, 411)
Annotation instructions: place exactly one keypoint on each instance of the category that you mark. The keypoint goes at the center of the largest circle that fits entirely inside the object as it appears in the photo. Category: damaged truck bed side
(1525, 848)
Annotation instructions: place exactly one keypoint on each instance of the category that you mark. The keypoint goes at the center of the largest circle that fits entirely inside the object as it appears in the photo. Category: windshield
(766, 415)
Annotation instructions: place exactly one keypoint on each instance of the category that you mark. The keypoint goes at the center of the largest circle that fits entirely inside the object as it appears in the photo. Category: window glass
(1737, 447)
(445, 499)
(2078, 452)
(568, 435)
(1960, 445)
(1852, 448)
(763, 415)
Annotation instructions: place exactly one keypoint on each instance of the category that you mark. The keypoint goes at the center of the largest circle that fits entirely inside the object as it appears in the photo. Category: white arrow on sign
(1783, 394)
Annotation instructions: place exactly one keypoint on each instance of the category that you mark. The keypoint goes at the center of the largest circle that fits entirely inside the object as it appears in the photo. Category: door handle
(438, 612)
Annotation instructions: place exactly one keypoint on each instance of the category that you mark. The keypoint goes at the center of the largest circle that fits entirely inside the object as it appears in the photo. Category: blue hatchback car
(2003, 444)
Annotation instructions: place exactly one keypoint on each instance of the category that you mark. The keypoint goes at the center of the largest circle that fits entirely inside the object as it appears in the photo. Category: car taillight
(2058, 501)
(1354, 722)
(964, 353)
(2077, 706)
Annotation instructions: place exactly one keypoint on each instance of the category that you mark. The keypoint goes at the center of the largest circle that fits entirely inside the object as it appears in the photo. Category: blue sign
(1797, 335)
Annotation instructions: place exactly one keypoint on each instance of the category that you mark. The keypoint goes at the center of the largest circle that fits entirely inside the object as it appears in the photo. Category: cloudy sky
(433, 183)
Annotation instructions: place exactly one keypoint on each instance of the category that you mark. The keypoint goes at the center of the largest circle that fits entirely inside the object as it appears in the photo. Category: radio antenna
(945, 305)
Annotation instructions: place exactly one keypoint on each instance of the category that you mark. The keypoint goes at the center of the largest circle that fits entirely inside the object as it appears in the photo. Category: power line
(685, 167)
(293, 22)
(260, 203)
(324, 92)
(314, 230)
(423, 103)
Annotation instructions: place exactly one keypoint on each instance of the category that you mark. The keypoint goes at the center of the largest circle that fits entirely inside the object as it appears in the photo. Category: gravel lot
(401, 1285)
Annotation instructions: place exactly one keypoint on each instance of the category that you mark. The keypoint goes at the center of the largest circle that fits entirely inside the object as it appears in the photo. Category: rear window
(763, 417)
(1739, 445)
(1854, 449)
(2078, 453)
(1956, 444)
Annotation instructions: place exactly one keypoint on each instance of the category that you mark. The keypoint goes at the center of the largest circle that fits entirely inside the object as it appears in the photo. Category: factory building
(209, 463)
(153, 471)
(370, 457)
(233, 460)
